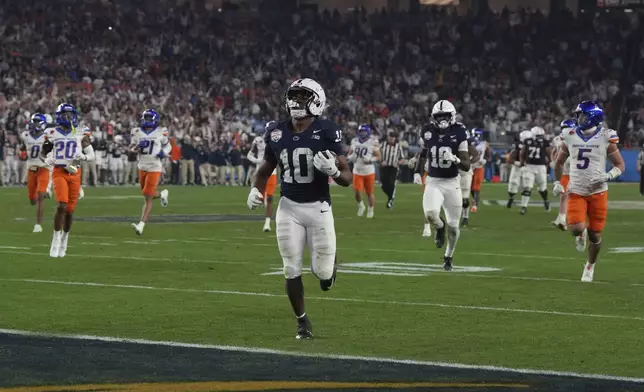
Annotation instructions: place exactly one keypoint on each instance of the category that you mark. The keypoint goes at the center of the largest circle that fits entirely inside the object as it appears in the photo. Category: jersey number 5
(65, 149)
(582, 161)
(442, 163)
(300, 169)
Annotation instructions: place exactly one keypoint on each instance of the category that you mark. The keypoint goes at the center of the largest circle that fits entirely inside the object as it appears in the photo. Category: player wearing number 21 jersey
(588, 145)
(68, 146)
(38, 174)
(152, 144)
(309, 151)
(446, 150)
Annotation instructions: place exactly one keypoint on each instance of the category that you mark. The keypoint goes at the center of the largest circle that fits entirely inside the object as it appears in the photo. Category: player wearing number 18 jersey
(38, 174)
(309, 151)
(69, 147)
(534, 159)
(152, 144)
(588, 145)
(446, 150)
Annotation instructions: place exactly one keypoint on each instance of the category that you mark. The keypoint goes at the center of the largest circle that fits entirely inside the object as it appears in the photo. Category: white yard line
(85, 256)
(335, 299)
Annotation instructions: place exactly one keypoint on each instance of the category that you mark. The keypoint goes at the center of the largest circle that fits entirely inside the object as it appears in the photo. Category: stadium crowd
(217, 77)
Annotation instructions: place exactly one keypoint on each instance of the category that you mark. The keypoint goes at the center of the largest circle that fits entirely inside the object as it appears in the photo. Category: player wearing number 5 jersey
(38, 174)
(363, 153)
(68, 146)
(446, 150)
(534, 160)
(588, 145)
(309, 151)
(152, 144)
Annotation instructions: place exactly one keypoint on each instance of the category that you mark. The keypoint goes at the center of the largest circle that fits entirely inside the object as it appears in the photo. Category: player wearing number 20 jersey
(38, 174)
(446, 151)
(152, 144)
(309, 151)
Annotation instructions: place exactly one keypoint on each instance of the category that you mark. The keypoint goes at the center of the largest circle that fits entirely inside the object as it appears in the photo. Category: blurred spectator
(204, 166)
(235, 159)
(188, 155)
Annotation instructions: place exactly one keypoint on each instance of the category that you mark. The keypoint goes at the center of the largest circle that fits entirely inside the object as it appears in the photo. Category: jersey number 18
(442, 163)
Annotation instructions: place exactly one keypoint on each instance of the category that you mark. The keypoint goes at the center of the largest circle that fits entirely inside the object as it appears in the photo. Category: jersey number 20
(65, 149)
(442, 163)
(300, 169)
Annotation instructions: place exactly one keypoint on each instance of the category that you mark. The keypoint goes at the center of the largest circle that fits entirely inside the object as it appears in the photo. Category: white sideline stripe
(259, 350)
(354, 300)
(13, 247)
(129, 258)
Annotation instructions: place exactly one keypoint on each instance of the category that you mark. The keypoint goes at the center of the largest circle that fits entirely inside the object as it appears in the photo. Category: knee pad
(466, 203)
(453, 226)
(526, 192)
(432, 216)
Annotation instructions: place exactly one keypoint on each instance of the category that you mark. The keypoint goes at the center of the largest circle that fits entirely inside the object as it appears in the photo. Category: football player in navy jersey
(446, 149)
(308, 150)
(534, 159)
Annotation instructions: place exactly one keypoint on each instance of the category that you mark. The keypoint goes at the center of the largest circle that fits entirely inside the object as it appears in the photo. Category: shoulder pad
(270, 125)
(459, 125)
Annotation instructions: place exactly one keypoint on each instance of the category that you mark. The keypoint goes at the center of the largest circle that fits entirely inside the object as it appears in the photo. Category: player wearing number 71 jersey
(152, 144)
(446, 149)
(309, 151)
(38, 175)
(69, 147)
(588, 145)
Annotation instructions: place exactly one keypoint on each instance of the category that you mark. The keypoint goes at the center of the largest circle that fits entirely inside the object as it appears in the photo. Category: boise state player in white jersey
(588, 145)
(309, 151)
(446, 150)
(557, 143)
(38, 176)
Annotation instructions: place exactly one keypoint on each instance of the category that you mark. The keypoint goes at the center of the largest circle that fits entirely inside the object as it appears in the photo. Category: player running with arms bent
(309, 151)
(588, 145)
(446, 150)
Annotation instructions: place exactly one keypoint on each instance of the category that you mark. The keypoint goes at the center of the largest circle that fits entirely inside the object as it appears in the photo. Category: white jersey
(259, 144)
(557, 142)
(150, 145)
(365, 156)
(66, 145)
(481, 147)
(33, 145)
(588, 158)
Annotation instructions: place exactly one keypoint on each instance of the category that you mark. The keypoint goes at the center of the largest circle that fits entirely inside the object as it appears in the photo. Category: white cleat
(138, 230)
(589, 271)
(164, 198)
(370, 212)
(361, 209)
(267, 228)
(81, 195)
(55, 246)
(37, 228)
(427, 232)
(62, 249)
(581, 241)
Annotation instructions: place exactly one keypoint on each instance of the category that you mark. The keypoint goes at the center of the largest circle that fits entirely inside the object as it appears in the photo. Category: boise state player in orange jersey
(309, 151)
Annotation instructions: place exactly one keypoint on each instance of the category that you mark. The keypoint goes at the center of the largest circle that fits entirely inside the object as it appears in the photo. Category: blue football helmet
(567, 124)
(150, 119)
(37, 123)
(66, 115)
(364, 132)
(588, 114)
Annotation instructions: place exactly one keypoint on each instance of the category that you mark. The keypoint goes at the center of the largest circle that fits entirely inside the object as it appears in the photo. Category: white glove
(418, 179)
(353, 157)
(50, 161)
(255, 199)
(600, 179)
(557, 188)
(517, 163)
(482, 162)
(80, 157)
(448, 156)
(324, 161)
(412, 161)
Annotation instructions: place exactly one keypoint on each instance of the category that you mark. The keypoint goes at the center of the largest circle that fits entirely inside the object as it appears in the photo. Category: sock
(141, 225)
(360, 204)
(303, 314)
(63, 236)
(267, 221)
(544, 195)
(525, 200)
(466, 213)
(476, 195)
(562, 218)
(57, 235)
(428, 226)
(370, 209)
(452, 237)
(511, 195)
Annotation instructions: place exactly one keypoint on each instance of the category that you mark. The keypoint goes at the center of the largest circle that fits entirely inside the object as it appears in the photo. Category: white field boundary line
(336, 299)
(259, 350)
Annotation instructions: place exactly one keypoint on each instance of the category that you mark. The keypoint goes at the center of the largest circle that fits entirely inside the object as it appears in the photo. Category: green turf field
(519, 305)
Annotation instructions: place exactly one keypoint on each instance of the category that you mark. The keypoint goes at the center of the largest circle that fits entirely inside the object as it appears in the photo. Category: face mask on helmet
(297, 101)
(443, 120)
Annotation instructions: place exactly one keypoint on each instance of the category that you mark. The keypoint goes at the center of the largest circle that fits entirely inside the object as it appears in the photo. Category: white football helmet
(525, 135)
(538, 132)
(443, 114)
(304, 98)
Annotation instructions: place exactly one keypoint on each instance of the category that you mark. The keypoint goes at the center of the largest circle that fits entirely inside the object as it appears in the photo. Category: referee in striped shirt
(391, 157)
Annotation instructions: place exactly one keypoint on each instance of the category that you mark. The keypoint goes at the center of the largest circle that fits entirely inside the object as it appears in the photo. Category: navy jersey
(300, 181)
(535, 151)
(437, 142)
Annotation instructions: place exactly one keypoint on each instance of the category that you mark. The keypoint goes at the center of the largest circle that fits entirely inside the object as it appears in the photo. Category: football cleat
(546, 205)
(304, 328)
(465, 222)
(447, 263)
(524, 210)
(370, 212)
(37, 228)
(581, 241)
(439, 240)
(62, 250)
(81, 195)
(137, 229)
(55, 247)
(361, 209)
(390, 204)
(326, 285)
(164, 198)
(427, 231)
(509, 203)
(589, 271)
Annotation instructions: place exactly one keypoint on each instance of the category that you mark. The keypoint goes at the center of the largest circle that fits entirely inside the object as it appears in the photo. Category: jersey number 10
(300, 169)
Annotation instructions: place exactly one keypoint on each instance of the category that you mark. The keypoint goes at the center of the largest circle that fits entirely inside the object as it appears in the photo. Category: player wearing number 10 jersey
(69, 147)
(38, 175)
(152, 144)
(588, 145)
(309, 151)
(446, 150)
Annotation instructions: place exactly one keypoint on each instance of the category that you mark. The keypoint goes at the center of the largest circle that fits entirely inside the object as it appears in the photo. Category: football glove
(47, 147)
(324, 161)
(49, 161)
(517, 163)
(255, 199)
(448, 156)
(557, 188)
(161, 154)
(418, 179)
(79, 156)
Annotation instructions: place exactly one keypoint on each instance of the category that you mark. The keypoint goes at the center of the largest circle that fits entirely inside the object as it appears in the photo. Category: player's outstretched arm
(265, 169)
(473, 153)
(346, 177)
(464, 156)
(616, 159)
